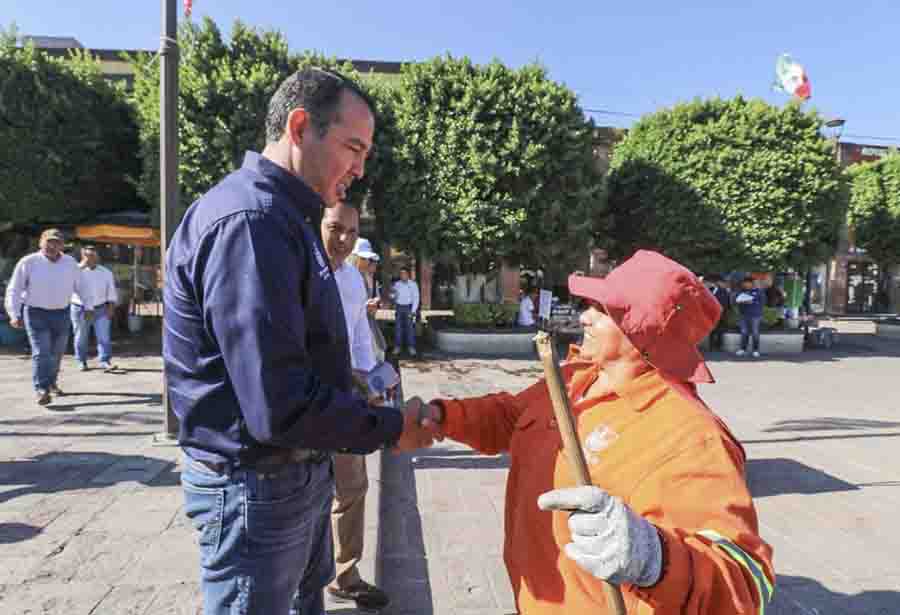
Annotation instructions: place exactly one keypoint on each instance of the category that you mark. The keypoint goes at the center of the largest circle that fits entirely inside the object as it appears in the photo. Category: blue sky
(629, 57)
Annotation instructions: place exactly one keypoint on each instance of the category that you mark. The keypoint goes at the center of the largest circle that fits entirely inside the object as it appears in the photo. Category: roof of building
(53, 42)
(61, 45)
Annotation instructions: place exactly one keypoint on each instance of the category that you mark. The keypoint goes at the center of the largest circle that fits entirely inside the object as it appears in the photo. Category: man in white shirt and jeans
(38, 298)
(405, 294)
(340, 228)
(102, 286)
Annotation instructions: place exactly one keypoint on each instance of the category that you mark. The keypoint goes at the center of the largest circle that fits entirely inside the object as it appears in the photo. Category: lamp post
(168, 166)
(835, 127)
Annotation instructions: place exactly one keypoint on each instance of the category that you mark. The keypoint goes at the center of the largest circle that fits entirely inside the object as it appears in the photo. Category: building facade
(852, 283)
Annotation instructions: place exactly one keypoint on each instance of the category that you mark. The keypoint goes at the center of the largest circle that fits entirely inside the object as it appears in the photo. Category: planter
(511, 343)
(888, 329)
(135, 323)
(770, 342)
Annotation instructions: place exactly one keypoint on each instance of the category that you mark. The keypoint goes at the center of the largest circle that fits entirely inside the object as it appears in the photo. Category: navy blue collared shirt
(255, 344)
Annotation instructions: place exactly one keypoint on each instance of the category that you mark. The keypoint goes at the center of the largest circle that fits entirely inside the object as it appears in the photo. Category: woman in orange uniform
(670, 517)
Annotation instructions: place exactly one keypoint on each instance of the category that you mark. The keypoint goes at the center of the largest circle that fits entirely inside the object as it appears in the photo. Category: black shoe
(43, 397)
(367, 597)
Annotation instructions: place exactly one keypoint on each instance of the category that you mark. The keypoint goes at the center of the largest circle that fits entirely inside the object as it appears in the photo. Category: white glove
(608, 539)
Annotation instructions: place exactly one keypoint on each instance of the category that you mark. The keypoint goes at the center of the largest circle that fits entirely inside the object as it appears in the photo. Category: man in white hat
(366, 260)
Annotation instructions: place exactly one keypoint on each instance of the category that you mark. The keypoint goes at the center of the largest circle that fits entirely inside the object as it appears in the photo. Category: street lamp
(835, 127)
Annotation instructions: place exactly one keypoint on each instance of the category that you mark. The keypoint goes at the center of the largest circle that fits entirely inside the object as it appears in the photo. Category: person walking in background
(406, 303)
(340, 228)
(101, 283)
(38, 298)
(750, 301)
(722, 294)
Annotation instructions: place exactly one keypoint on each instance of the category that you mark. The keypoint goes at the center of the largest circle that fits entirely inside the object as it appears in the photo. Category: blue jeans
(750, 324)
(48, 334)
(102, 327)
(265, 539)
(404, 328)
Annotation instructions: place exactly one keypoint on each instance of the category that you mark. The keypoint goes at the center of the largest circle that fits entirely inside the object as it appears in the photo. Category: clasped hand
(421, 426)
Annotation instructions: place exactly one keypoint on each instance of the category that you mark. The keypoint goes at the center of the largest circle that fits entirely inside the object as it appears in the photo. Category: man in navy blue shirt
(750, 301)
(257, 359)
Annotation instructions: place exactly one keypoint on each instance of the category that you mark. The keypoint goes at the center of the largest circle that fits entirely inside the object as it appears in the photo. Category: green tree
(727, 184)
(224, 92)
(874, 211)
(489, 163)
(68, 139)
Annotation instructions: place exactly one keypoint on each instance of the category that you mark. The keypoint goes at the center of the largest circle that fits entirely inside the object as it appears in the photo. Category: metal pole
(168, 163)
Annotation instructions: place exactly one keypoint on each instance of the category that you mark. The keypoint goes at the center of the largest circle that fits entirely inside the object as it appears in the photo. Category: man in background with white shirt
(101, 285)
(38, 298)
(405, 294)
(528, 308)
(340, 228)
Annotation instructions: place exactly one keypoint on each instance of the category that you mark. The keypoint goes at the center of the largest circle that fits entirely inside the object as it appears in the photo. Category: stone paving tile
(53, 599)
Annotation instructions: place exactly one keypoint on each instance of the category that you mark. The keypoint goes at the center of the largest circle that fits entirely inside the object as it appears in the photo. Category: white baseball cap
(363, 248)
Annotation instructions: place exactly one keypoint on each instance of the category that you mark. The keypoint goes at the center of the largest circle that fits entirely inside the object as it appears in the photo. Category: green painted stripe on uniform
(763, 586)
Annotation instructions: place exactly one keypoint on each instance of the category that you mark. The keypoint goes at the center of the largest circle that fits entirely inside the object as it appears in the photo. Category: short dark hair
(319, 92)
(406, 269)
(747, 279)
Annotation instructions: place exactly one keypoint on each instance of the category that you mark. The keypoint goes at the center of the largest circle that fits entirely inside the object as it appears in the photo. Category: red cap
(663, 309)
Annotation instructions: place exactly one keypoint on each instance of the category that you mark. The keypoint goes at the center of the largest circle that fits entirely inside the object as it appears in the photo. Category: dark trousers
(265, 538)
(404, 328)
(750, 326)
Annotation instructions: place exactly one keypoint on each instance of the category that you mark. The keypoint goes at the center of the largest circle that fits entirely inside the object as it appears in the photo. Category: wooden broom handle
(572, 447)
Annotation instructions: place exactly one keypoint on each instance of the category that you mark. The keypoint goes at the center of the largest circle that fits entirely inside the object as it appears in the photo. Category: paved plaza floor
(91, 522)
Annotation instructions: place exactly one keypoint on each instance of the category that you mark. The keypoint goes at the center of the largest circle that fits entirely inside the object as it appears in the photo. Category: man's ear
(298, 123)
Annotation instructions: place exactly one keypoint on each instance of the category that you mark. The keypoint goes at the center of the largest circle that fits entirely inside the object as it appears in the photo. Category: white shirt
(39, 282)
(406, 293)
(352, 288)
(526, 312)
(100, 283)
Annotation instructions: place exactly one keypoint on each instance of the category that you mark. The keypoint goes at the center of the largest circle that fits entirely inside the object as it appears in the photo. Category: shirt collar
(305, 198)
(639, 393)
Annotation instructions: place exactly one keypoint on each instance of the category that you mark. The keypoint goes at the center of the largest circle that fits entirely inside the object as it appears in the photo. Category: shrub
(485, 314)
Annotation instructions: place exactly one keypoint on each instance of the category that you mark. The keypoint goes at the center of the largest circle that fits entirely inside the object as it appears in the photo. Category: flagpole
(168, 166)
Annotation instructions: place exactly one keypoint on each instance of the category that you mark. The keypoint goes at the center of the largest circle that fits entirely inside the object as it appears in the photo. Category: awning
(119, 234)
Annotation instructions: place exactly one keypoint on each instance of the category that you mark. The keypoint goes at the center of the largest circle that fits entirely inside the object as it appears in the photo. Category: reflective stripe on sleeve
(763, 586)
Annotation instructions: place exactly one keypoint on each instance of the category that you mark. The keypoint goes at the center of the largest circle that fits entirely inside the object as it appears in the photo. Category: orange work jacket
(659, 448)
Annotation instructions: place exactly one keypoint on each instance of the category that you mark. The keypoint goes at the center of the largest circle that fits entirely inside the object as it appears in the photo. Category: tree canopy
(68, 139)
(727, 184)
(874, 211)
(488, 163)
(224, 90)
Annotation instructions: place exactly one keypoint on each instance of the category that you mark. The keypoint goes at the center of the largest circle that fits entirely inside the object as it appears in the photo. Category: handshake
(423, 424)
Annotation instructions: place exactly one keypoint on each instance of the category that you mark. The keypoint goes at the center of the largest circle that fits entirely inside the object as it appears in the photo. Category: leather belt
(272, 462)
(284, 457)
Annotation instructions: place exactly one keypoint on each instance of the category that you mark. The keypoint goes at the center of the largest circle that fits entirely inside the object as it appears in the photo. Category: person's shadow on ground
(64, 471)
